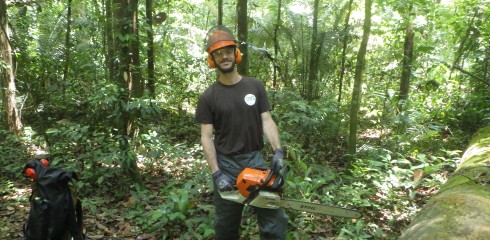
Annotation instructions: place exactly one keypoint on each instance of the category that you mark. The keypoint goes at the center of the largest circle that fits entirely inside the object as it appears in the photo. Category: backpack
(55, 213)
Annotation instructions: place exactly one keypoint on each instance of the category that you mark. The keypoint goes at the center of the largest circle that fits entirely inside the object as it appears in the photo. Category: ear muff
(211, 61)
(238, 58)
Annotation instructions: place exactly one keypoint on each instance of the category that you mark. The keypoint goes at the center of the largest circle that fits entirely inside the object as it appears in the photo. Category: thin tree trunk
(242, 33)
(7, 80)
(486, 67)
(151, 49)
(276, 41)
(134, 56)
(220, 12)
(303, 71)
(110, 44)
(461, 49)
(313, 66)
(67, 49)
(461, 208)
(356, 92)
(138, 81)
(345, 40)
(406, 64)
(123, 75)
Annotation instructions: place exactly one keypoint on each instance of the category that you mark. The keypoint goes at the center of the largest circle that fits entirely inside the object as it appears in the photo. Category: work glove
(223, 182)
(277, 160)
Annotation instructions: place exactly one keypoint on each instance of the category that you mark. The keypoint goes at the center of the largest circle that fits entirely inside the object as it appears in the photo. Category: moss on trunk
(461, 209)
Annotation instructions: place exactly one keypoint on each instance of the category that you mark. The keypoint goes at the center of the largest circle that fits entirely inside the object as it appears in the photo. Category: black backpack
(55, 213)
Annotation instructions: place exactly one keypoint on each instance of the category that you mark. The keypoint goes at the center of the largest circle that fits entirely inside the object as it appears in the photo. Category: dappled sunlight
(477, 151)
(14, 208)
(374, 133)
(113, 97)
(18, 193)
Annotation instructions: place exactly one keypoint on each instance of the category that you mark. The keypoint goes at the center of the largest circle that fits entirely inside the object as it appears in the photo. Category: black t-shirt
(234, 111)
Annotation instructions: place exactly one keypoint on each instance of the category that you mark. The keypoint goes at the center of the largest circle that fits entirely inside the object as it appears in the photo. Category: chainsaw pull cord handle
(255, 192)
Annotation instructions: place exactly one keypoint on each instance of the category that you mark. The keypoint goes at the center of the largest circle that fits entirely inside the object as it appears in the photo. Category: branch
(21, 3)
(485, 81)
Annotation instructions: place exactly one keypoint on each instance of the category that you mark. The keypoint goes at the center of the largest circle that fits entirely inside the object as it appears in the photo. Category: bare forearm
(210, 153)
(208, 146)
(271, 131)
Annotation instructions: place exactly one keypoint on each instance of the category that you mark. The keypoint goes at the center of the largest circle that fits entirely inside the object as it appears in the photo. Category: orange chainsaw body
(250, 179)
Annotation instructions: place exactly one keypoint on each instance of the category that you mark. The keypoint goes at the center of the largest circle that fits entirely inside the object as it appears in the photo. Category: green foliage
(180, 209)
(80, 147)
(358, 231)
(13, 154)
(474, 112)
(313, 124)
(74, 118)
(381, 183)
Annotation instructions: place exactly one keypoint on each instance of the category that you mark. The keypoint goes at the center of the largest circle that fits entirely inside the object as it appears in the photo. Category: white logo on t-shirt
(250, 99)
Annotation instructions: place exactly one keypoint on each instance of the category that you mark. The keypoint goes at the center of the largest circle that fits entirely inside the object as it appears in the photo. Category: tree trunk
(66, 66)
(109, 36)
(458, 56)
(124, 17)
(7, 80)
(407, 63)
(314, 53)
(276, 42)
(242, 33)
(134, 56)
(151, 49)
(461, 208)
(356, 92)
(345, 40)
(220, 12)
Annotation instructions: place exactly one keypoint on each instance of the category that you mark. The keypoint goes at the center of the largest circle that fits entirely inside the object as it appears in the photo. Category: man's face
(224, 59)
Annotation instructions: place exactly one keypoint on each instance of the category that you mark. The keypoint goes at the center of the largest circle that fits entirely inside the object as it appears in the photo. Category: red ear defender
(45, 162)
(211, 61)
(30, 173)
(238, 56)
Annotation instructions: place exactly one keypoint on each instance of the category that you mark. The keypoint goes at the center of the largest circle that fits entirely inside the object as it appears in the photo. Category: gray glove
(276, 163)
(223, 182)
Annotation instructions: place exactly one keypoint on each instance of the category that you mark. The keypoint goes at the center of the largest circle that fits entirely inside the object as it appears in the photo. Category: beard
(226, 70)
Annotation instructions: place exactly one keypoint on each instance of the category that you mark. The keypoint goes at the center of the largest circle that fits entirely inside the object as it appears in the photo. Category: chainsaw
(262, 188)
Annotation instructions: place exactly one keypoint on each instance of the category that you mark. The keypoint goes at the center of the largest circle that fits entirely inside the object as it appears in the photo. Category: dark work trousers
(272, 222)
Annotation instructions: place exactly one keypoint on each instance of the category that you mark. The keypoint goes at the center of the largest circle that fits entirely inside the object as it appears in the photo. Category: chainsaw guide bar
(260, 188)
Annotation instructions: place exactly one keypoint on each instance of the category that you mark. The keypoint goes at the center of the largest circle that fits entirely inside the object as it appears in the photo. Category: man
(236, 110)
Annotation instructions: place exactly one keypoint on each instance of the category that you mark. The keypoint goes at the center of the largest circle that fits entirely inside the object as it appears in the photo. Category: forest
(376, 102)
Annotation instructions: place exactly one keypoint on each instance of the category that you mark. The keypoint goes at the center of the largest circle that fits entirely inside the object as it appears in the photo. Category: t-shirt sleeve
(203, 110)
(264, 102)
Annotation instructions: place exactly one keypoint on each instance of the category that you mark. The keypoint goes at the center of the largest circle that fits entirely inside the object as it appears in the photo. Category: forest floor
(14, 211)
(106, 211)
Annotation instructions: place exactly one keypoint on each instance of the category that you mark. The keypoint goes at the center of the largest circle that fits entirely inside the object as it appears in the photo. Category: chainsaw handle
(275, 168)
(280, 178)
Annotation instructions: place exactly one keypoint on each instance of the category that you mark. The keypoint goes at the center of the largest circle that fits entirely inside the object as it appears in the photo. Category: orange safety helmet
(220, 37)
